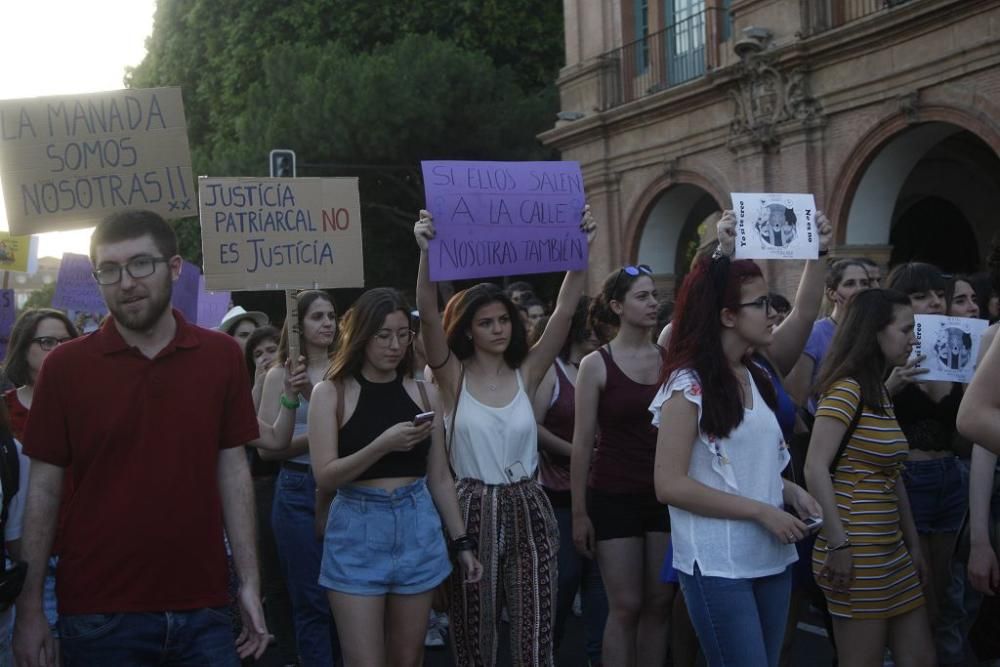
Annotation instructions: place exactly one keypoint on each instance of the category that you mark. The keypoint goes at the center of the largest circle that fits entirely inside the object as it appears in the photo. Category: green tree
(41, 297)
(362, 89)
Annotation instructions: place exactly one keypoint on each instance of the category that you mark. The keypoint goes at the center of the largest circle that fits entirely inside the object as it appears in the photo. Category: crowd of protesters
(687, 476)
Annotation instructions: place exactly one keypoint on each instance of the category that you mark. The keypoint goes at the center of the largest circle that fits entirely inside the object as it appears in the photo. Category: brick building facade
(888, 111)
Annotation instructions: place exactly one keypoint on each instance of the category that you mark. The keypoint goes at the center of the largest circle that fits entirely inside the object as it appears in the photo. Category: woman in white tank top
(487, 374)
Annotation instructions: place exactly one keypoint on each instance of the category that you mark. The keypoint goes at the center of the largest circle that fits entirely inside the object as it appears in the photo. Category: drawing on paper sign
(950, 345)
(775, 226)
(953, 348)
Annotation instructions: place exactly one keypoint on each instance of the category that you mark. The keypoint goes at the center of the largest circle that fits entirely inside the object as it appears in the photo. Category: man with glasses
(144, 420)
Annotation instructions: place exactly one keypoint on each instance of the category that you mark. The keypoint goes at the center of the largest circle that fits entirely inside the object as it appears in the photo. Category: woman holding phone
(377, 440)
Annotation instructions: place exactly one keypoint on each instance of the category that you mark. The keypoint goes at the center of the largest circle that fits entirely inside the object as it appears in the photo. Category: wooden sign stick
(292, 325)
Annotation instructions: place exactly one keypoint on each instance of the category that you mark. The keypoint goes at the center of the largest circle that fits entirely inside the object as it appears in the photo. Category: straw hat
(237, 313)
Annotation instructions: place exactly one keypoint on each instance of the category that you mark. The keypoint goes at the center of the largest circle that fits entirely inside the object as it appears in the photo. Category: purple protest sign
(8, 309)
(186, 290)
(211, 306)
(76, 288)
(504, 218)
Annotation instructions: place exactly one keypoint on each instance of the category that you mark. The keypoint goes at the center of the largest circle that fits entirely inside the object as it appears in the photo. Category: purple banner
(211, 306)
(504, 218)
(76, 288)
(184, 296)
(8, 311)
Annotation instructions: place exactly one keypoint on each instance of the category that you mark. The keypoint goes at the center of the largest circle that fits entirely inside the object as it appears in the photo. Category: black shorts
(618, 515)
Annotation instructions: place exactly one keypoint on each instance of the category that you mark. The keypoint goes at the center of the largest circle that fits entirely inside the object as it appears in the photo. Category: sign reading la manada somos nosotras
(67, 162)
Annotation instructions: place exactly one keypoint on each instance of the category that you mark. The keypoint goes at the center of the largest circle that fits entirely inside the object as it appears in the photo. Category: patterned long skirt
(518, 539)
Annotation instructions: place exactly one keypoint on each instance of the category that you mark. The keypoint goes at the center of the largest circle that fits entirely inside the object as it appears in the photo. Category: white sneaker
(436, 630)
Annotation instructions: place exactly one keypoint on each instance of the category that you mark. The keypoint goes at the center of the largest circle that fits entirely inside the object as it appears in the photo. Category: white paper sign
(951, 345)
(775, 226)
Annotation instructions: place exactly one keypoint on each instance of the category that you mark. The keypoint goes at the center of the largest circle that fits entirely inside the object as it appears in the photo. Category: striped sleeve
(841, 401)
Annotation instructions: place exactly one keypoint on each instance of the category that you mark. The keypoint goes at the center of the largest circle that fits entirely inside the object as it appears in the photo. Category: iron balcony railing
(821, 15)
(679, 53)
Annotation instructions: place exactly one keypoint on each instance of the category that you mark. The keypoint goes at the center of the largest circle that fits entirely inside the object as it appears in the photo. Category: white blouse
(747, 463)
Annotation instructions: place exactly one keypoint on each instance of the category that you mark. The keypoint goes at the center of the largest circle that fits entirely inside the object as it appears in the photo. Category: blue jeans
(200, 637)
(738, 621)
(938, 490)
(576, 571)
(301, 552)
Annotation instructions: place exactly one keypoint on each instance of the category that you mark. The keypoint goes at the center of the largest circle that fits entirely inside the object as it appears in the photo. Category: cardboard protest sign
(504, 218)
(66, 162)
(8, 313)
(280, 233)
(76, 289)
(211, 306)
(18, 253)
(951, 345)
(775, 226)
(186, 290)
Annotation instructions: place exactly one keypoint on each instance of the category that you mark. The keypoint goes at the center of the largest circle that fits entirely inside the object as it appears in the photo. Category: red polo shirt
(142, 528)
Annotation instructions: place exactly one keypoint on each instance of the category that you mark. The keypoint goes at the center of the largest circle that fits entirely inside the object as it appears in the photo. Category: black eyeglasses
(137, 267)
(632, 271)
(763, 302)
(49, 343)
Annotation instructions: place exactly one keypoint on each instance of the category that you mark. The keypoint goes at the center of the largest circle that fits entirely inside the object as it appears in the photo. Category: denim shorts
(384, 543)
(939, 494)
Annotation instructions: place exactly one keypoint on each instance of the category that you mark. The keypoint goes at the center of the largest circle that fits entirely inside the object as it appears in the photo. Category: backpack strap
(454, 414)
(847, 437)
(425, 402)
(340, 402)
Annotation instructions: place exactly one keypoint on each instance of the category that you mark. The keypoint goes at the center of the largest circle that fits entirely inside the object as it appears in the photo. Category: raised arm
(791, 335)
(544, 352)
(445, 365)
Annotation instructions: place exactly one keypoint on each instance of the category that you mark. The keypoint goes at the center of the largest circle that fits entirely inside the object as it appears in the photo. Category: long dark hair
(16, 363)
(461, 311)
(696, 341)
(359, 325)
(854, 351)
(303, 300)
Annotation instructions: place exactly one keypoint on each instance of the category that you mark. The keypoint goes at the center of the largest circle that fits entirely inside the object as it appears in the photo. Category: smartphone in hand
(423, 417)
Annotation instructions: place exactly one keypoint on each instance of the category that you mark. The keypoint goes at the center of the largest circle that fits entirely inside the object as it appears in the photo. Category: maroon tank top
(626, 438)
(553, 469)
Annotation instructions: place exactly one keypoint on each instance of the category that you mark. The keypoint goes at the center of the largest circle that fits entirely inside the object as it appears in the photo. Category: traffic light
(282, 163)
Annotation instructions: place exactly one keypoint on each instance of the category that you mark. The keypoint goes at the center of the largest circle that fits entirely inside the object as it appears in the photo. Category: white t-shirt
(748, 463)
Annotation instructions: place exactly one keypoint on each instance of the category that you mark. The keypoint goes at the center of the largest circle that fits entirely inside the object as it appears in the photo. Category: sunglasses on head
(634, 271)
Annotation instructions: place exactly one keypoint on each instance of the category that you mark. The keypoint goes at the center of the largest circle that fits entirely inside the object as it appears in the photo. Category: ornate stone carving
(764, 97)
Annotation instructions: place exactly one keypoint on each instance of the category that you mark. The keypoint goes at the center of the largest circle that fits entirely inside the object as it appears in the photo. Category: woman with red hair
(719, 457)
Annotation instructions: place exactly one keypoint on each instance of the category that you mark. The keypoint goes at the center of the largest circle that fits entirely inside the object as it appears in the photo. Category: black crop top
(380, 406)
(927, 425)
